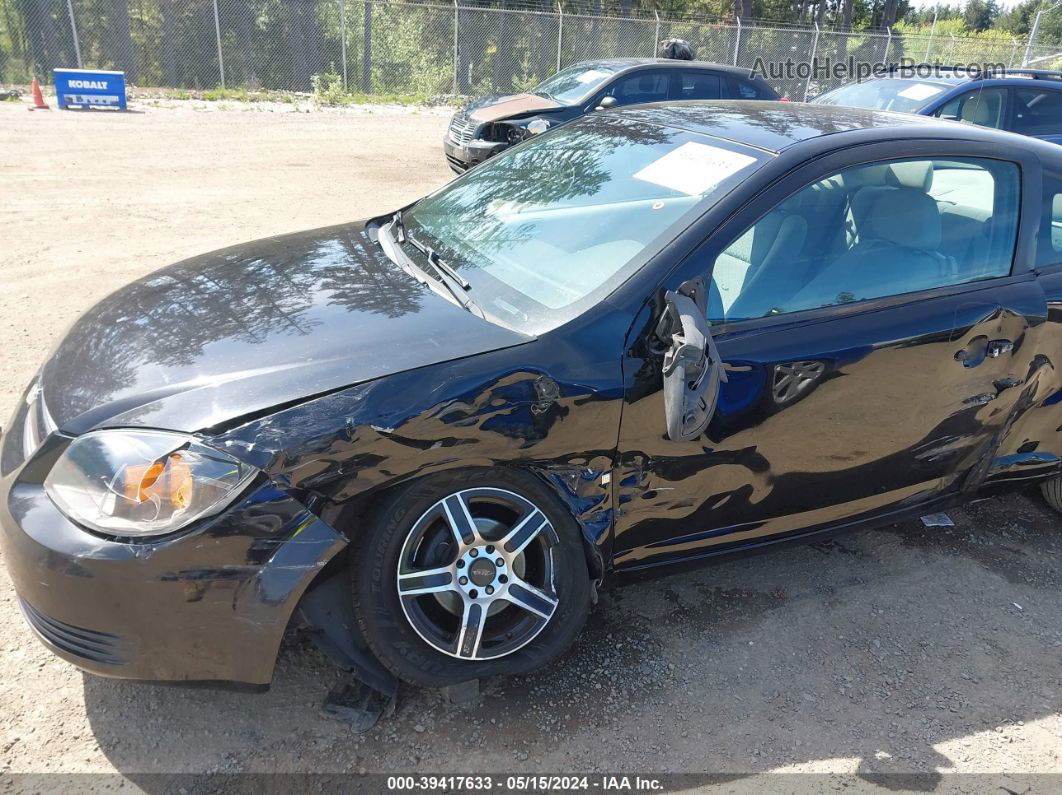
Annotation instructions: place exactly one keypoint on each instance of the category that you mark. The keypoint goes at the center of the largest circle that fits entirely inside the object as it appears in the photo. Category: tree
(366, 50)
(169, 55)
(888, 14)
(245, 25)
(40, 31)
(980, 14)
(123, 51)
(1018, 21)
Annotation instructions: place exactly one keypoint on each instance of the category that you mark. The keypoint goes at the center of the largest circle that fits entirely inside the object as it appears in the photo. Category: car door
(873, 316)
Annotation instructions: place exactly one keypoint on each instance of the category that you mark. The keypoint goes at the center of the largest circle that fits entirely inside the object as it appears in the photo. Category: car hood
(227, 335)
(495, 108)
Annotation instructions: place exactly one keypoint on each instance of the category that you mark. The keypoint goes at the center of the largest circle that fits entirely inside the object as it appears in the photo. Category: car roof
(777, 126)
(953, 77)
(623, 64)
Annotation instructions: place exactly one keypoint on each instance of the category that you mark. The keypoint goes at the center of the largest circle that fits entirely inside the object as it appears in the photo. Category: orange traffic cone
(38, 97)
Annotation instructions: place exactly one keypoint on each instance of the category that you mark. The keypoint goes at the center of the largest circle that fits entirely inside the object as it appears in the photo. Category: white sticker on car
(694, 168)
(919, 91)
(591, 75)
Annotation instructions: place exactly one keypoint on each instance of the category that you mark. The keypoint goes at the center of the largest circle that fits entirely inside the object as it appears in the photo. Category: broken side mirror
(606, 103)
(692, 368)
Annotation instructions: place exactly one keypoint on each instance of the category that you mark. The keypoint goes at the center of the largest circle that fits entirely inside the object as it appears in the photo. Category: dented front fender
(347, 447)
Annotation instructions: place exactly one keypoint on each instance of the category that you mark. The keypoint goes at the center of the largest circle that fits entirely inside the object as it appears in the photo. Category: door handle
(981, 348)
(974, 353)
(997, 348)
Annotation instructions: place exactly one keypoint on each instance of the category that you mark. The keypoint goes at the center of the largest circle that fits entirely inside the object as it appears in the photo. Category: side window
(698, 85)
(739, 89)
(985, 107)
(1049, 246)
(872, 231)
(1037, 112)
(640, 87)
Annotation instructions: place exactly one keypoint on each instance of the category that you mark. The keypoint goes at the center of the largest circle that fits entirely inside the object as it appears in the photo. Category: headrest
(863, 176)
(904, 174)
(905, 217)
(910, 174)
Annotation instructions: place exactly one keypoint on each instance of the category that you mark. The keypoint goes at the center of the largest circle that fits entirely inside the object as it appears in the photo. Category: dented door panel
(888, 418)
(1030, 447)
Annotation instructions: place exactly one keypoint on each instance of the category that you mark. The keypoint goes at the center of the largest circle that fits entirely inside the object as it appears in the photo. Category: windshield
(552, 226)
(570, 85)
(886, 94)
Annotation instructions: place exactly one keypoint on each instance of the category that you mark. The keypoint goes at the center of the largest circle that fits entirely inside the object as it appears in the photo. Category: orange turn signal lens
(167, 481)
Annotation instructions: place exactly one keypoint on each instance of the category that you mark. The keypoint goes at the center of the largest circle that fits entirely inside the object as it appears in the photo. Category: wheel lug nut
(473, 593)
(503, 578)
(490, 590)
(474, 553)
(500, 562)
(463, 581)
(490, 549)
(460, 564)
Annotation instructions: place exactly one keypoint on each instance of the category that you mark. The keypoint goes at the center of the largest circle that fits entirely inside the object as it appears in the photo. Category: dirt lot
(907, 649)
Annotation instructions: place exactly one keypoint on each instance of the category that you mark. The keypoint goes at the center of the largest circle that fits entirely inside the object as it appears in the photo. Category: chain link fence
(422, 51)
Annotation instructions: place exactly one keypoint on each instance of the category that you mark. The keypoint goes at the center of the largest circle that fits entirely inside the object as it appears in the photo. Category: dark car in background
(489, 125)
(1025, 101)
(680, 331)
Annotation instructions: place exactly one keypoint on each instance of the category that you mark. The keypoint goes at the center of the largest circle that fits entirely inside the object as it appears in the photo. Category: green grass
(243, 95)
(334, 98)
(328, 93)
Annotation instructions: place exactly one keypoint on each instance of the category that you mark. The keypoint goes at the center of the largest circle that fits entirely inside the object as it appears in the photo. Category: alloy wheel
(475, 574)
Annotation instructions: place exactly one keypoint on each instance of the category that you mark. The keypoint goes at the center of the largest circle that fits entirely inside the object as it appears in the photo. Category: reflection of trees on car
(358, 283)
(217, 297)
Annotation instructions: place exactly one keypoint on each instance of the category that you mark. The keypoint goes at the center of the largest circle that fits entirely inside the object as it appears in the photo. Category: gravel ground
(902, 649)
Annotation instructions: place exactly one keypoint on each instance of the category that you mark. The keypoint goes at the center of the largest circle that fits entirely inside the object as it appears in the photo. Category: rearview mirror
(692, 368)
(606, 103)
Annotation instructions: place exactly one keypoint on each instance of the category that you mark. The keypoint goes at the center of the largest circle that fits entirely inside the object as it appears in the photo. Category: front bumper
(208, 604)
(462, 157)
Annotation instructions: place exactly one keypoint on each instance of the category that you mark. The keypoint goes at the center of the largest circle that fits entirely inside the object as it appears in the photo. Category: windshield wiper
(437, 262)
(447, 275)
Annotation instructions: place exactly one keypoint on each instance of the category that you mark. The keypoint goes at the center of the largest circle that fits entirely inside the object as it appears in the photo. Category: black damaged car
(487, 126)
(651, 336)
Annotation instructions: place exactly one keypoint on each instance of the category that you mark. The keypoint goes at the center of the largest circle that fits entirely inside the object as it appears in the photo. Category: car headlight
(538, 126)
(143, 483)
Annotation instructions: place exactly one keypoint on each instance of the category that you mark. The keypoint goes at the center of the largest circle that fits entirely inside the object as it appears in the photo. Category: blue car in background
(1026, 101)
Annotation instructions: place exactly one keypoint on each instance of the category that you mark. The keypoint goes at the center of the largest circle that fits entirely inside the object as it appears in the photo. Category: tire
(425, 639)
(1052, 491)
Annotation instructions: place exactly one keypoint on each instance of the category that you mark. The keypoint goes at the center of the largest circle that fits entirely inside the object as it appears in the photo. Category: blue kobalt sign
(89, 88)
